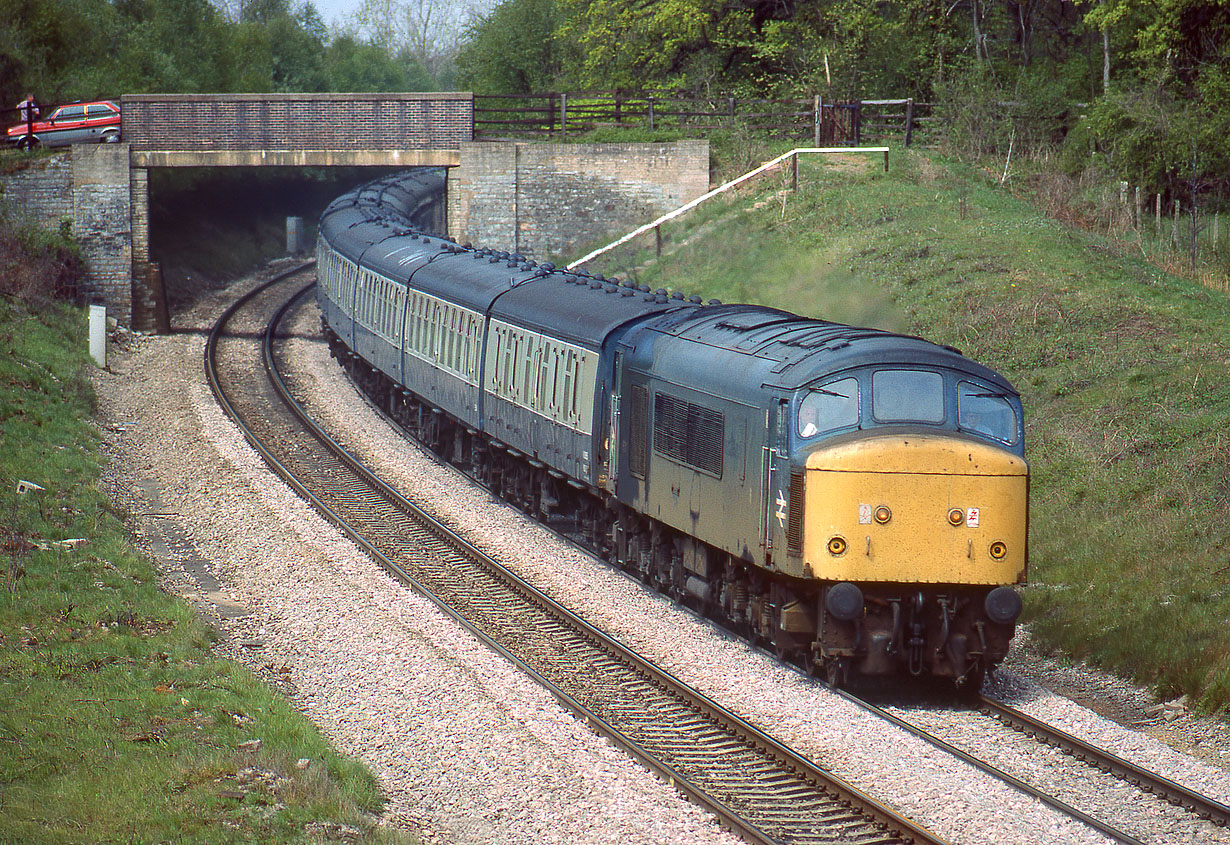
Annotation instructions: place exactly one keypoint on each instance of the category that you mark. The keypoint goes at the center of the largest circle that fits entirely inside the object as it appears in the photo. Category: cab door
(775, 473)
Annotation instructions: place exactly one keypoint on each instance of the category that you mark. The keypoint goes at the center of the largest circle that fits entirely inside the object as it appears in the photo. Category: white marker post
(98, 334)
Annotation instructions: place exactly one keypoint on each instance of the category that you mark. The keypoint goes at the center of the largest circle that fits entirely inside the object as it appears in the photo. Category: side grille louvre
(794, 525)
(688, 433)
(638, 431)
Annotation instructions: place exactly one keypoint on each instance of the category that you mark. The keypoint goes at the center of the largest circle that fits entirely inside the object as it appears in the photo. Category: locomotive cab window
(981, 410)
(831, 406)
(907, 396)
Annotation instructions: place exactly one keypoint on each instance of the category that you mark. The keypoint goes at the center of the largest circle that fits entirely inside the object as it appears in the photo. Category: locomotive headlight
(883, 514)
(998, 549)
(956, 516)
(837, 546)
(1002, 605)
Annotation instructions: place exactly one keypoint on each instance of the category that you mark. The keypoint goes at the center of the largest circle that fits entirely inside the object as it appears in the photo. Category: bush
(37, 265)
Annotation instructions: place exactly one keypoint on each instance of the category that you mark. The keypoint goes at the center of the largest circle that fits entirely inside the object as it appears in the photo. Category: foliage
(38, 265)
(492, 63)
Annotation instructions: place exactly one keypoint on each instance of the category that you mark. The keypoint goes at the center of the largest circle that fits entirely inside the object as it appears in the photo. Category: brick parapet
(290, 122)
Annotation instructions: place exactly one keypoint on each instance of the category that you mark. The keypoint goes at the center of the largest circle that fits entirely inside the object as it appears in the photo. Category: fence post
(909, 121)
(732, 111)
(657, 236)
(651, 114)
(858, 123)
(818, 105)
(551, 113)
(618, 120)
(1157, 216)
(563, 116)
(794, 160)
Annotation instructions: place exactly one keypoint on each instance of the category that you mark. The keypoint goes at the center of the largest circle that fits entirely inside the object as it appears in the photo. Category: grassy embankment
(116, 722)
(1122, 368)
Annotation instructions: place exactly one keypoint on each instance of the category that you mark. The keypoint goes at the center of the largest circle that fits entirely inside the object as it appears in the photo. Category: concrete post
(98, 334)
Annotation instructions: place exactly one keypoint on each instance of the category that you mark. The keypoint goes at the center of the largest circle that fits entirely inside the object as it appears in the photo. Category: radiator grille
(638, 431)
(688, 433)
(794, 524)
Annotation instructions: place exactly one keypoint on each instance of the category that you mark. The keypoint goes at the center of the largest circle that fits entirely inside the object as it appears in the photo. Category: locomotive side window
(833, 406)
(986, 412)
(907, 396)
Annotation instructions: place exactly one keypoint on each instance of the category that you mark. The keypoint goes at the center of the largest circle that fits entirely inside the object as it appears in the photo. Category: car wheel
(110, 137)
(28, 143)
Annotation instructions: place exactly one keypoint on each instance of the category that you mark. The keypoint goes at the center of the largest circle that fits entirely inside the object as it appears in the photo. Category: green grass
(1122, 368)
(116, 721)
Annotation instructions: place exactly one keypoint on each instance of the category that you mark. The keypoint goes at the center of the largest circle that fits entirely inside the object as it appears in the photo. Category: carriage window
(987, 412)
(907, 396)
(833, 406)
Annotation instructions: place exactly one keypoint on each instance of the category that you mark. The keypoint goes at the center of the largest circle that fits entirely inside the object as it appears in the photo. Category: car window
(99, 111)
(832, 406)
(907, 396)
(70, 113)
(986, 412)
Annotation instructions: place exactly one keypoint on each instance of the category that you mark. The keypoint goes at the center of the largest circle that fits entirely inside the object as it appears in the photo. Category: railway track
(1147, 782)
(757, 786)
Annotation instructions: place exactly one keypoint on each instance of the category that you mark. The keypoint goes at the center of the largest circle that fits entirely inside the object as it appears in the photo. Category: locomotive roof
(794, 351)
(580, 308)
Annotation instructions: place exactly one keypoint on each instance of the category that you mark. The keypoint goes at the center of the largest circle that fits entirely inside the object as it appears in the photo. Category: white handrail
(689, 206)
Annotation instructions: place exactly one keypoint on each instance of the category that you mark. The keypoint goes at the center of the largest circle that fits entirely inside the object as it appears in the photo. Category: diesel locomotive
(855, 499)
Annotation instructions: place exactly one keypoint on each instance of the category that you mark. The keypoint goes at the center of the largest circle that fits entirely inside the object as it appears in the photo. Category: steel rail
(871, 808)
(1202, 805)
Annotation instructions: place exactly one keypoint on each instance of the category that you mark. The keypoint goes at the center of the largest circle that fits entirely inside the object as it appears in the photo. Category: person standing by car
(27, 110)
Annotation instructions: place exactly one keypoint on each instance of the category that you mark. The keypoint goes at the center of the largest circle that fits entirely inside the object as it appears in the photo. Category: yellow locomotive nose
(916, 508)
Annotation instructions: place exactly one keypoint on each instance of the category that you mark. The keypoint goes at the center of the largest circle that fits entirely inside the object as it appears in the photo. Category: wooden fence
(808, 119)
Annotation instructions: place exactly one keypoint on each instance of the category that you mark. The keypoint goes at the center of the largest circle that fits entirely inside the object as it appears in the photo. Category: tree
(512, 50)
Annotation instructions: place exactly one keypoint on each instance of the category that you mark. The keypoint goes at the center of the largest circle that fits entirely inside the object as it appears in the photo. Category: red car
(97, 122)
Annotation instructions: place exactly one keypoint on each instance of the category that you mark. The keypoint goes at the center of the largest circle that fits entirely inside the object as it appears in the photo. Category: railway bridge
(531, 198)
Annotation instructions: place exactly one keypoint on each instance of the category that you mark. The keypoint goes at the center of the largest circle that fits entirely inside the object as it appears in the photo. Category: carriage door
(608, 443)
